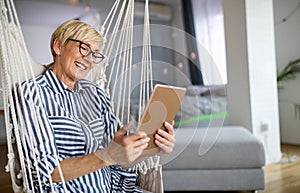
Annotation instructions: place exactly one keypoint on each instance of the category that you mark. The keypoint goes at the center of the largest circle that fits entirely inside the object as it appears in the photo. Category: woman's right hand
(124, 149)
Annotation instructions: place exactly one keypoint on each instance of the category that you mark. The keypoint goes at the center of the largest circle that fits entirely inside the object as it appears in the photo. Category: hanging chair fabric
(151, 179)
(17, 66)
(149, 175)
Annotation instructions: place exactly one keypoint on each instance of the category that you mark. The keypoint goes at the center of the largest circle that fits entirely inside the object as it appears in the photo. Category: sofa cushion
(215, 148)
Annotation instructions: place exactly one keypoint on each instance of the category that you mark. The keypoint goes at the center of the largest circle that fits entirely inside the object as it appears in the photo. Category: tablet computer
(162, 106)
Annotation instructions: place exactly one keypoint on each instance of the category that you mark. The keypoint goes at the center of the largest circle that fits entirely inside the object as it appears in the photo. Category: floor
(282, 177)
(5, 183)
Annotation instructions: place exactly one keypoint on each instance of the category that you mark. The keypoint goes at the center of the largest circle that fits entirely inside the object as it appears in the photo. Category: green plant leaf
(289, 72)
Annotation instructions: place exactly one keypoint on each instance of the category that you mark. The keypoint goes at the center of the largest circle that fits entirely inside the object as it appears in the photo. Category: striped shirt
(65, 123)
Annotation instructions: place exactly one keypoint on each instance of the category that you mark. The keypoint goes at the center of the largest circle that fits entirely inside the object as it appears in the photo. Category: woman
(75, 125)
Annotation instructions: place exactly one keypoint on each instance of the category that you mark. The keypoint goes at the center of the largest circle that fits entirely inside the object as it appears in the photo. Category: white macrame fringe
(150, 163)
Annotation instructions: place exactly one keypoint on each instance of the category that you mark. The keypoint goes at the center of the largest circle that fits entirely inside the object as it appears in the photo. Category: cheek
(72, 52)
(92, 65)
(75, 54)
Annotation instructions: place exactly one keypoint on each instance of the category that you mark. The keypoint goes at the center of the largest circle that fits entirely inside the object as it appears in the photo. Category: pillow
(202, 111)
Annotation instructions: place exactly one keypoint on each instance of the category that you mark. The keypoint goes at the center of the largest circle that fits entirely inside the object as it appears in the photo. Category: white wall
(262, 74)
(238, 90)
(251, 67)
(39, 20)
(288, 49)
(39, 49)
(286, 33)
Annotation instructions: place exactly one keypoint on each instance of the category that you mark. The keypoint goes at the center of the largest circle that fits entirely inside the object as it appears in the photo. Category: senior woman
(77, 126)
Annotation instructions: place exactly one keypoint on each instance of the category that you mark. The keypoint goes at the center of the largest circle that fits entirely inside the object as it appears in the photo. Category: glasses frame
(97, 56)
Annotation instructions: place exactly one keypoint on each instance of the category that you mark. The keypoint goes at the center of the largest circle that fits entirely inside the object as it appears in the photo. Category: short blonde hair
(78, 30)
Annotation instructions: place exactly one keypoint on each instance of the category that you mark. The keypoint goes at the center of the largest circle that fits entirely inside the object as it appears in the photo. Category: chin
(81, 75)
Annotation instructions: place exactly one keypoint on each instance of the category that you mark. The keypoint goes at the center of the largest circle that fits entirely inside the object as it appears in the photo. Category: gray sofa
(214, 159)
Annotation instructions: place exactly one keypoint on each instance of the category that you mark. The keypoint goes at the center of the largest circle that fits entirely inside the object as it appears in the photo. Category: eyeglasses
(85, 50)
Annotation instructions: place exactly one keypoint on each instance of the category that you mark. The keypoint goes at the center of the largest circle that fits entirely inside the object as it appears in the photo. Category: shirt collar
(57, 85)
(78, 87)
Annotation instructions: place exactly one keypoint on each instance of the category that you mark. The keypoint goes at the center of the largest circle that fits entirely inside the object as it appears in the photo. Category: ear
(57, 46)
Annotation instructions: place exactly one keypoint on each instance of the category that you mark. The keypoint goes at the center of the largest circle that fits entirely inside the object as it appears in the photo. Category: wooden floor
(5, 183)
(279, 177)
(284, 177)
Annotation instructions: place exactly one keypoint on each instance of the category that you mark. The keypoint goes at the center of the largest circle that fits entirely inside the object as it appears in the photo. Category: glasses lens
(84, 49)
(98, 57)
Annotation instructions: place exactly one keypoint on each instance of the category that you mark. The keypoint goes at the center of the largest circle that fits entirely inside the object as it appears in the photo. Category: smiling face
(75, 47)
(69, 64)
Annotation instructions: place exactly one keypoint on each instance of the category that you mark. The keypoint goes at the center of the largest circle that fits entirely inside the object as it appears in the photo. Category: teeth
(82, 67)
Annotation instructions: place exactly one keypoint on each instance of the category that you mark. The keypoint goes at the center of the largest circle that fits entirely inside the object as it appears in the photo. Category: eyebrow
(96, 50)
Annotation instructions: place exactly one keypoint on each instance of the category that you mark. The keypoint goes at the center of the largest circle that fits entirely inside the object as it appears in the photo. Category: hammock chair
(17, 66)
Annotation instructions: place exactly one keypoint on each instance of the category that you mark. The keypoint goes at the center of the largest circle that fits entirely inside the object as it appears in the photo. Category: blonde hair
(78, 30)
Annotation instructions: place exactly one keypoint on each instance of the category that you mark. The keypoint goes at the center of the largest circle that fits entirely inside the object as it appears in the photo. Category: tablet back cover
(162, 106)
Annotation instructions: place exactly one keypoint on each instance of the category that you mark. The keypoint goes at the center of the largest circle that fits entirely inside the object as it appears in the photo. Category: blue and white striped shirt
(70, 123)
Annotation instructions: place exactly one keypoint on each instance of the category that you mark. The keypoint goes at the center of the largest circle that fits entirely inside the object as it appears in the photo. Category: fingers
(131, 144)
(165, 139)
(123, 130)
(164, 145)
(116, 153)
(169, 127)
(134, 140)
(125, 149)
(136, 136)
(141, 143)
(169, 133)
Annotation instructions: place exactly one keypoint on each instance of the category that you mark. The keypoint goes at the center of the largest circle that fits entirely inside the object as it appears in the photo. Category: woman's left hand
(165, 140)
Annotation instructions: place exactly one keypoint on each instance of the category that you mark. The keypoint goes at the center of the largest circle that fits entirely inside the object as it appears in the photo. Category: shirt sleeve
(38, 136)
(108, 117)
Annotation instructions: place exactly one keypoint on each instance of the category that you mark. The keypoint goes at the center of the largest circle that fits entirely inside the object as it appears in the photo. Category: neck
(61, 75)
